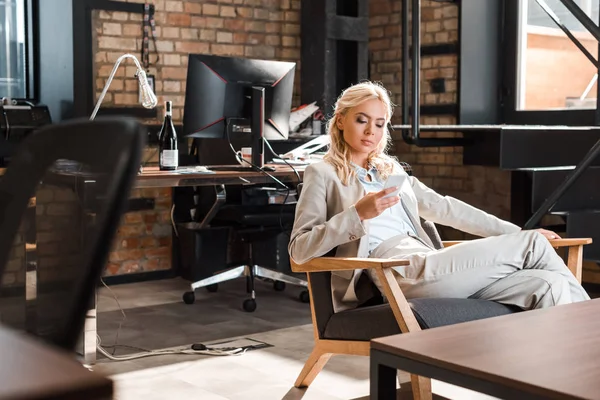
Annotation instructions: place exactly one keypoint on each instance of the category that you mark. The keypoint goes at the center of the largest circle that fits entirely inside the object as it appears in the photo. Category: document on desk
(194, 170)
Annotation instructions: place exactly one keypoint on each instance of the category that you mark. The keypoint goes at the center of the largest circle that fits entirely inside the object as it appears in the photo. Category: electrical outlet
(438, 85)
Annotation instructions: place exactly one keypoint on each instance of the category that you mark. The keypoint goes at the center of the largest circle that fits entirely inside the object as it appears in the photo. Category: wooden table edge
(469, 372)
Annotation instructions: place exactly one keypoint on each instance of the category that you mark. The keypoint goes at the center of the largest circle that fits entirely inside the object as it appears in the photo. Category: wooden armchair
(350, 332)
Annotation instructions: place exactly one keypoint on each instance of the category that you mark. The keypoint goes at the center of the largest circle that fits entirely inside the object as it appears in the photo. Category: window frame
(30, 56)
(510, 81)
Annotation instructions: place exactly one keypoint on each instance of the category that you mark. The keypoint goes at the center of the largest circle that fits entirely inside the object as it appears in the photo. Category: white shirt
(393, 221)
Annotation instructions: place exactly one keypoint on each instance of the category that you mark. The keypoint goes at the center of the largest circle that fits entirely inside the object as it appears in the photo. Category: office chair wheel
(189, 297)
(213, 288)
(249, 305)
(279, 286)
(304, 296)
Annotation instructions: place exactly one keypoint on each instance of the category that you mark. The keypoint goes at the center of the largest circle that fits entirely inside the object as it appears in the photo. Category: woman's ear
(339, 121)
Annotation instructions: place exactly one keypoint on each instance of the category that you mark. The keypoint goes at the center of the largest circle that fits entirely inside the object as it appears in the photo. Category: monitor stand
(257, 127)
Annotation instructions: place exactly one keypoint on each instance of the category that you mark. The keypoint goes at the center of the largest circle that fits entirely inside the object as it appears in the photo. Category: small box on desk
(201, 251)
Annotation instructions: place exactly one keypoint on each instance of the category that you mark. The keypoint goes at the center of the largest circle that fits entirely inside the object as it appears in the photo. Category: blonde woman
(344, 211)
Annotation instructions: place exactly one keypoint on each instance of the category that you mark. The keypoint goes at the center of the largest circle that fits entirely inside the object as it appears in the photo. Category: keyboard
(229, 168)
(291, 162)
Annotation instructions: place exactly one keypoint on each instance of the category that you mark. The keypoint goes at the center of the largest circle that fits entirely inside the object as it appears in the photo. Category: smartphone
(394, 181)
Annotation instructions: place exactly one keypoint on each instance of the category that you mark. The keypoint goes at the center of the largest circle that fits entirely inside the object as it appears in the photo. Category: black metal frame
(31, 44)
(567, 32)
(509, 112)
(570, 116)
(383, 366)
(83, 67)
(587, 161)
(411, 132)
(31, 59)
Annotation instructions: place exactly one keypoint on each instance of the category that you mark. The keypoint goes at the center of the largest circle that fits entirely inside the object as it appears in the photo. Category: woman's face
(363, 127)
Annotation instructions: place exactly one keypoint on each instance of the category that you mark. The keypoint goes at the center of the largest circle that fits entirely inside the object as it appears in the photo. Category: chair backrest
(77, 176)
(320, 282)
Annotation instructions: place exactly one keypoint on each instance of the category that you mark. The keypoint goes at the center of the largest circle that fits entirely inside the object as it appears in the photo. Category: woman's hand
(374, 203)
(548, 234)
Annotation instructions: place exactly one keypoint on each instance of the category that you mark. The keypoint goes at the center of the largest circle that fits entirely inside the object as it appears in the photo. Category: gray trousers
(521, 269)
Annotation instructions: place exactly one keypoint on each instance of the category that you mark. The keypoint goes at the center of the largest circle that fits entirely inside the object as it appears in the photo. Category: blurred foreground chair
(78, 175)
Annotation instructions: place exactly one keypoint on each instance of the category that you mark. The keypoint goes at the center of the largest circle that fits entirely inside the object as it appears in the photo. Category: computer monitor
(232, 98)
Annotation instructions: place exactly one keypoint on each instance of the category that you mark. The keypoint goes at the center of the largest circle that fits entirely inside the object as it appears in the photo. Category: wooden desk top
(33, 370)
(552, 352)
(153, 177)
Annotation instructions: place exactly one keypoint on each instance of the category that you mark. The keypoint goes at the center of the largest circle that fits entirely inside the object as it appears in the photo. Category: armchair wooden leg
(421, 387)
(315, 363)
(575, 261)
(407, 322)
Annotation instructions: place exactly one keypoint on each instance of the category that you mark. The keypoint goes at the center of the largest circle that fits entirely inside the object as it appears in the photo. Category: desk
(542, 354)
(153, 177)
(32, 370)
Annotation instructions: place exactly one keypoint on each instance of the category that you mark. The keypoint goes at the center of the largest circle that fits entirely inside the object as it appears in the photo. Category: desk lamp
(148, 97)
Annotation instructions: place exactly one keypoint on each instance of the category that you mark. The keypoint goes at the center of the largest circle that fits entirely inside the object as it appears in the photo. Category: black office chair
(258, 227)
(74, 228)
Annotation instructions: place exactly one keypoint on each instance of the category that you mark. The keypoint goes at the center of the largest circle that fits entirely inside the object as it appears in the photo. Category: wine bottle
(168, 154)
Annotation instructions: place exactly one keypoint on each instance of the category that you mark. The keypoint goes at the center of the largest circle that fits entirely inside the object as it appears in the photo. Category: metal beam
(411, 129)
(405, 70)
(416, 67)
(567, 32)
(597, 113)
(582, 17)
(546, 207)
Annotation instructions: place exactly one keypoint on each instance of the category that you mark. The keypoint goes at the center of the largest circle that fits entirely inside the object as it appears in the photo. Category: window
(13, 71)
(552, 73)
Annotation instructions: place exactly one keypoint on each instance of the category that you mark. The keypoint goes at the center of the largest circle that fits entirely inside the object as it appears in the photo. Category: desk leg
(383, 379)
(87, 344)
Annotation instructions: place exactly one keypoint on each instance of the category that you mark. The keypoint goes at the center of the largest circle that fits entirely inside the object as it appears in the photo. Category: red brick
(130, 243)
(227, 49)
(123, 255)
(192, 47)
(227, 12)
(174, 73)
(131, 230)
(210, 9)
(179, 19)
(192, 7)
(157, 252)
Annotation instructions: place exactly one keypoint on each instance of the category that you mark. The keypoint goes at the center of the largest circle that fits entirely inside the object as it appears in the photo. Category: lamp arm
(110, 78)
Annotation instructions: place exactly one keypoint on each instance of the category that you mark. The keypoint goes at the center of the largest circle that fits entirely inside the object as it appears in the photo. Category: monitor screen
(218, 100)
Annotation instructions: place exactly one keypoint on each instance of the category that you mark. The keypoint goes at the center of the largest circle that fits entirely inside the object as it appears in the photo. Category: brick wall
(264, 29)
(270, 29)
(440, 168)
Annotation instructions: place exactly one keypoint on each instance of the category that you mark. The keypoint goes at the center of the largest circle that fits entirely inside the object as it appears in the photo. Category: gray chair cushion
(377, 321)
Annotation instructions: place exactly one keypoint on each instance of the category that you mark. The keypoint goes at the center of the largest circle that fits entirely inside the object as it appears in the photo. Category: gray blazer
(326, 219)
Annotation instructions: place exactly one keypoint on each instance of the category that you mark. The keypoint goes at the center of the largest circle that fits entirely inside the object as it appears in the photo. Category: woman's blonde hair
(339, 153)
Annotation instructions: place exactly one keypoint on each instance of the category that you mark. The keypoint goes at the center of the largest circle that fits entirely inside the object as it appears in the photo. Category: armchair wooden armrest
(404, 316)
(327, 264)
(554, 243)
(575, 252)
